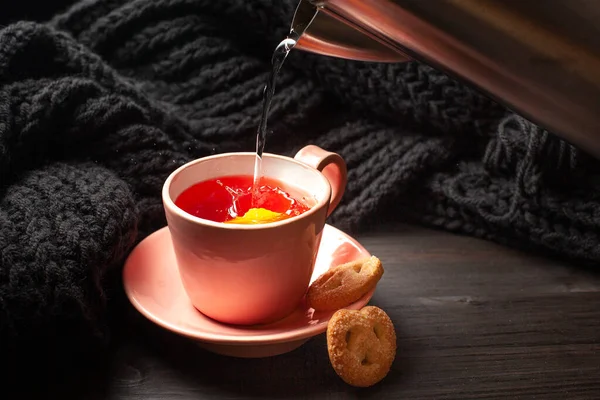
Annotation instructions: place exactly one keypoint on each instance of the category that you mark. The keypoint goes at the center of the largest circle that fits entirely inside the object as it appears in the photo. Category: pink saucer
(154, 288)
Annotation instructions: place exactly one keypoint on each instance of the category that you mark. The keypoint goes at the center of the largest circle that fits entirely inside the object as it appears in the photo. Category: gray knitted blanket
(101, 103)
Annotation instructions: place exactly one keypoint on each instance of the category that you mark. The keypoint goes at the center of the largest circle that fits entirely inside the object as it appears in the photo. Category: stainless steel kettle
(540, 58)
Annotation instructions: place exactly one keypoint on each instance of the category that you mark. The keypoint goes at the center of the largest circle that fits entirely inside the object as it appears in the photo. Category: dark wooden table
(474, 321)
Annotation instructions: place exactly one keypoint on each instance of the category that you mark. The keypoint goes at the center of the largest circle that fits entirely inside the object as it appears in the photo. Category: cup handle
(331, 165)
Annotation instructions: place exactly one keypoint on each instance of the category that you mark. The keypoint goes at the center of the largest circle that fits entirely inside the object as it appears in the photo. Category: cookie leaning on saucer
(344, 284)
(361, 345)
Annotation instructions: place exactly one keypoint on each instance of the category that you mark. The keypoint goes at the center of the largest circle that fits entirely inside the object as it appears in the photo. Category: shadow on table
(44, 374)
(161, 363)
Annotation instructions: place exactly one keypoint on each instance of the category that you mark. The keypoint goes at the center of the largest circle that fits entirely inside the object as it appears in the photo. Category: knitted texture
(99, 104)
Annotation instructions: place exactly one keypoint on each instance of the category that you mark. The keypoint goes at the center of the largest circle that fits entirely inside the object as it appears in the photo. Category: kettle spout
(321, 32)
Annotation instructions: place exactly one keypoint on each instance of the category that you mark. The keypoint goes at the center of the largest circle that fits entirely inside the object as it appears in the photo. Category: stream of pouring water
(302, 20)
(279, 55)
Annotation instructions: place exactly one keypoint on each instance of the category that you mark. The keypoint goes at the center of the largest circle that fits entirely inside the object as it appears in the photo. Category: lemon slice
(257, 216)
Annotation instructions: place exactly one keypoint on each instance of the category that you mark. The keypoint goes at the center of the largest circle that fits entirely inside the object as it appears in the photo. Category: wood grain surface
(474, 321)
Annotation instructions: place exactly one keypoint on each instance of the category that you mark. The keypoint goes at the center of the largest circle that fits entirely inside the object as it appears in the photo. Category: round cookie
(361, 345)
(344, 284)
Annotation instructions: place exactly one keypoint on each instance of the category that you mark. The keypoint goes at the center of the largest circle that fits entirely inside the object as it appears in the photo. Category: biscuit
(344, 284)
(361, 345)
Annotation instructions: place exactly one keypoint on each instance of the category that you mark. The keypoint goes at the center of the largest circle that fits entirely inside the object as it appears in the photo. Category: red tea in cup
(230, 199)
(250, 274)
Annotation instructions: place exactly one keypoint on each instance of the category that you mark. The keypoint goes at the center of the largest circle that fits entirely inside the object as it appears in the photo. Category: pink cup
(253, 274)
